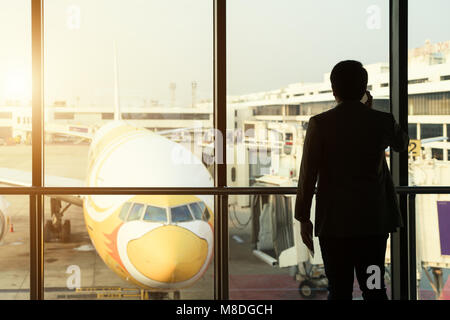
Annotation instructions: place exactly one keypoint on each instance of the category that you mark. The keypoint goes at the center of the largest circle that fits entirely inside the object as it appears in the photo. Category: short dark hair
(349, 80)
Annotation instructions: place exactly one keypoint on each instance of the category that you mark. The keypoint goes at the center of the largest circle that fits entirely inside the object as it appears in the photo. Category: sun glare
(17, 85)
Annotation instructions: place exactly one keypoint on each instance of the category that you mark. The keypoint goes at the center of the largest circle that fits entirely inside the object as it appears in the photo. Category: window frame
(401, 253)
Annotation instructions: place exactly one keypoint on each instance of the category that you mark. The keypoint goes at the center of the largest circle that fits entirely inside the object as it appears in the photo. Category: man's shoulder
(334, 110)
(323, 115)
(324, 118)
(380, 115)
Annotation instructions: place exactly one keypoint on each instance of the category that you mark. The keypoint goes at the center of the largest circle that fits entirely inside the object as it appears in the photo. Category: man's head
(348, 80)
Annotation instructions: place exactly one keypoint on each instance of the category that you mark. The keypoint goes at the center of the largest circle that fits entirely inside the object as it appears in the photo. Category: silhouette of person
(356, 204)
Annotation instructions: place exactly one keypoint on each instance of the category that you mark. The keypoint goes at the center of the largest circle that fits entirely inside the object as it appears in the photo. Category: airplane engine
(4, 219)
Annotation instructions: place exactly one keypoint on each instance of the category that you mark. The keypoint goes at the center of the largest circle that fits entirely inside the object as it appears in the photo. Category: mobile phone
(364, 98)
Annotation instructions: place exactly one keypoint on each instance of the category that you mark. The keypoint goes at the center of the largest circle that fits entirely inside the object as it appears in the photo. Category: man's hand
(307, 234)
(369, 101)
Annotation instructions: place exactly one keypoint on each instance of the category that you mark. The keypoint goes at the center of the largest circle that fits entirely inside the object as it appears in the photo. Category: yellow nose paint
(168, 254)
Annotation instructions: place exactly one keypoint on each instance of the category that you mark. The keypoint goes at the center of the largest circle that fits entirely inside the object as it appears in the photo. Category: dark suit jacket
(344, 151)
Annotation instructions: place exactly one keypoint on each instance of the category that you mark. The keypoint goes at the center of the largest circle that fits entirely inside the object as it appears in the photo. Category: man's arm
(397, 138)
(308, 172)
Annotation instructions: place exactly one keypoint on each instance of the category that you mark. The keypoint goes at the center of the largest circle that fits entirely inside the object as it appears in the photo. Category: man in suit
(356, 204)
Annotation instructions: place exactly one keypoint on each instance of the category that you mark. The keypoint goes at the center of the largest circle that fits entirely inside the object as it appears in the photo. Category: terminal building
(428, 103)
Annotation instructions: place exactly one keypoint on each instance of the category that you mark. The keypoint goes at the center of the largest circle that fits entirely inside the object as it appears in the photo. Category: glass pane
(428, 86)
(428, 117)
(124, 211)
(196, 210)
(14, 248)
(433, 246)
(15, 92)
(155, 214)
(268, 259)
(136, 212)
(126, 81)
(181, 214)
(206, 215)
(15, 147)
(279, 62)
(91, 253)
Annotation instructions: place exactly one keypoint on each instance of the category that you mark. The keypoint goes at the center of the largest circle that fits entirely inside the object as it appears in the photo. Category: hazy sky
(271, 43)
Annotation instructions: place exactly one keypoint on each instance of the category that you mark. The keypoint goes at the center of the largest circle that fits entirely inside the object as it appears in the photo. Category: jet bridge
(276, 237)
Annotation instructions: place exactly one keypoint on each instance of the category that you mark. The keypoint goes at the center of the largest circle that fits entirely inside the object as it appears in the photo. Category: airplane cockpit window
(124, 211)
(205, 211)
(181, 214)
(196, 210)
(136, 212)
(155, 214)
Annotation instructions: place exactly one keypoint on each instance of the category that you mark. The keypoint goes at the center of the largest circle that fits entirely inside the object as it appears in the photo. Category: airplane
(162, 242)
(158, 242)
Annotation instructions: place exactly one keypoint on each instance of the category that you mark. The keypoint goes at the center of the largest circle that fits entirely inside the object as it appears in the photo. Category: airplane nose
(168, 254)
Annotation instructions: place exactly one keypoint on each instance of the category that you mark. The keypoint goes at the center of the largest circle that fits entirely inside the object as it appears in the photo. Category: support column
(221, 276)
(36, 204)
(399, 161)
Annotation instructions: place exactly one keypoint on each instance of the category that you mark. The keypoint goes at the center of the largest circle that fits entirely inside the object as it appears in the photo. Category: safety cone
(11, 228)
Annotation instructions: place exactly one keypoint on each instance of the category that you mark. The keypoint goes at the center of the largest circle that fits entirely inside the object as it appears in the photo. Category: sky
(270, 44)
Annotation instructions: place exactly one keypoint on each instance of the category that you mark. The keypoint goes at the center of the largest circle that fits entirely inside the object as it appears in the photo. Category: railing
(192, 190)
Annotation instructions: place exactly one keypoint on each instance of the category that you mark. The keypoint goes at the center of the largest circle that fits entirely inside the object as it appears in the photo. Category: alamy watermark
(374, 280)
(373, 21)
(73, 21)
(74, 278)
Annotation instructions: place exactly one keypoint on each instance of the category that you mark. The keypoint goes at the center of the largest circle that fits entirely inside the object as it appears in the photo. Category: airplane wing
(79, 131)
(434, 139)
(187, 129)
(72, 130)
(21, 178)
(429, 141)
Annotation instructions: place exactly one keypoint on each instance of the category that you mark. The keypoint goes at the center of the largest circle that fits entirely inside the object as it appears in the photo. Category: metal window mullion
(403, 190)
(36, 204)
(398, 57)
(412, 247)
(221, 280)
